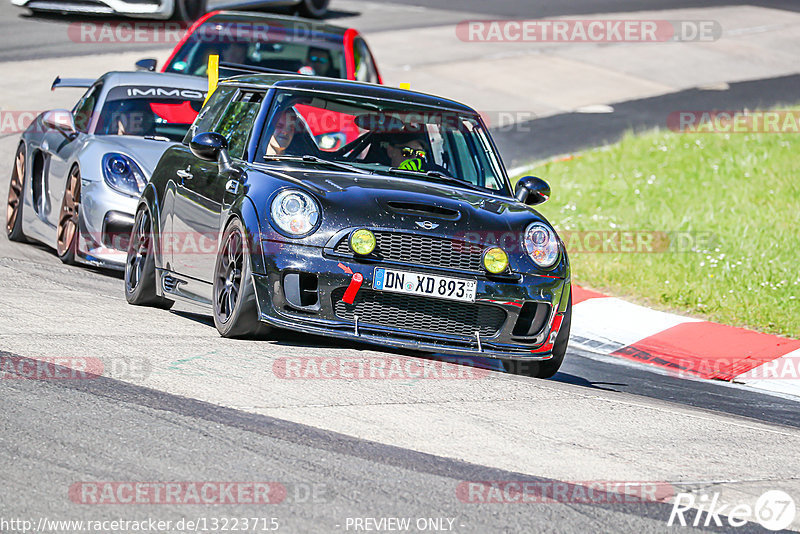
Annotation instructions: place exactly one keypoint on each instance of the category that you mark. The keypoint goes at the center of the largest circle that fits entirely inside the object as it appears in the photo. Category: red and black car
(254, 42)
(272, 42)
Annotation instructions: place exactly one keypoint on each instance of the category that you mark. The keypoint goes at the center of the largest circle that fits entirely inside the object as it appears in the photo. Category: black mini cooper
(408, 235)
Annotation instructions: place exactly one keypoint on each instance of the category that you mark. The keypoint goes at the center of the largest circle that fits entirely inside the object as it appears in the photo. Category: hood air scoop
(419, 209)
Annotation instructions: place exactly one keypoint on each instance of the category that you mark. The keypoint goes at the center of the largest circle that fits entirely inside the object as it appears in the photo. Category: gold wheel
(14, 206)
(67, 231)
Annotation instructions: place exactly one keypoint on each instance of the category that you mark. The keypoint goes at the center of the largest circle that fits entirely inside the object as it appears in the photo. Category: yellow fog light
(362, 242)
(495, 260)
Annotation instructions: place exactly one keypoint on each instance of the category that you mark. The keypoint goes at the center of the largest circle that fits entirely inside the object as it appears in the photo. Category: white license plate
(426, 285)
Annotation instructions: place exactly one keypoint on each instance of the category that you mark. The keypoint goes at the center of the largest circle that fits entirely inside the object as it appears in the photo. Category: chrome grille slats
(423, 250)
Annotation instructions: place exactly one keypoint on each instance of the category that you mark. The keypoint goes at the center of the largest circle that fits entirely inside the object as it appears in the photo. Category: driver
(282, 136)
(319, 60)
(407, 151)
(234, 53)
(133, 118)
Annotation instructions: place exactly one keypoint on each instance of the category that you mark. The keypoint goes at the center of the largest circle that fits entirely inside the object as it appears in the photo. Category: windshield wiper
(438, 175)
(315, 159)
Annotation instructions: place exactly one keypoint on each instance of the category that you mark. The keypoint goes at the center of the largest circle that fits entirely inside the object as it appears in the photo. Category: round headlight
(362, 242)
(495, 260)
(123, 174)
(541, 244)
(294, 212)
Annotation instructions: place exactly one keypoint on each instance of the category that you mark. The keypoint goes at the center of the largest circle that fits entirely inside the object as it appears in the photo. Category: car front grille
(422, 314)
(421, 250)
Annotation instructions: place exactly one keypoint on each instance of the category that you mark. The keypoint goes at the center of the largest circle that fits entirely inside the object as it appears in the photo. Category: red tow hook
(355, 284)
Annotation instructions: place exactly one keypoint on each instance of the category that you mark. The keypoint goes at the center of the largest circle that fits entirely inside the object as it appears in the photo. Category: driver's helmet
(413, 147)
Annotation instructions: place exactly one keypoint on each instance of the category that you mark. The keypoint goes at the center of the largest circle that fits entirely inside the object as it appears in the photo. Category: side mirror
(61, 120)
(532, 190)
(211, 146)
(148, 64)
(208, 145)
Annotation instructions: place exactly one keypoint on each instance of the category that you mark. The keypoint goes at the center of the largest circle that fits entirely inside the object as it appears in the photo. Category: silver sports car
(78, 174)
(187, 10)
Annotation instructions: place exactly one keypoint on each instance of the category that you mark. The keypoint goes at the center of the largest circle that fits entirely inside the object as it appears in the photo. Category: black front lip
(393, 338)
(333, 274)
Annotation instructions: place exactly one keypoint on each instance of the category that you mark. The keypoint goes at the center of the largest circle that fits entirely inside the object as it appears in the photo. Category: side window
(208, 116)
(465, 166)
(365, 67)
(471, 162)
(237, 121)
(82, 113)
(488, 162)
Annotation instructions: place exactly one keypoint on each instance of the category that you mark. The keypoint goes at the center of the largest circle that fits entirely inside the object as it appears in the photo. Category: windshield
(382, 136)
(233, 45)
(149, 112)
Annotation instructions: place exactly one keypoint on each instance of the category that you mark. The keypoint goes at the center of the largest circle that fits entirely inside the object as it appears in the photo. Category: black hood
(410, 204)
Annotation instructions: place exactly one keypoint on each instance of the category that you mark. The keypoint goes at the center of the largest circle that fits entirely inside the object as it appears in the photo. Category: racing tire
(234, 299)
(315, 9)
(68, 228)
(189, 10)
(140, 265)
(546, 368)
(16, 198)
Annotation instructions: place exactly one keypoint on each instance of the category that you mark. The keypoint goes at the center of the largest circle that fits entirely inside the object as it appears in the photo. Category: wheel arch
(244, 209)
(149, 200)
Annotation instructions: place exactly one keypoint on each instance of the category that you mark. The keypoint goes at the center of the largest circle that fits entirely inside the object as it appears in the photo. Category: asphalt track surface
(558, 134)
(54, 433)
(23, 36)
(560, 8)
(104, 427)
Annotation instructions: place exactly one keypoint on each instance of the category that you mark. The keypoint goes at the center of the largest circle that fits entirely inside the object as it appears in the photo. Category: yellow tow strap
(213, 75)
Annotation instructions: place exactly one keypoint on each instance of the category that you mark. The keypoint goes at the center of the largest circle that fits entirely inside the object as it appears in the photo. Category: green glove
(413, 164)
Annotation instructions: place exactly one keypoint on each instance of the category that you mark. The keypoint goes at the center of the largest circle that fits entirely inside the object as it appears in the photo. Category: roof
(292, 25)
(331, 85)
(160, 79)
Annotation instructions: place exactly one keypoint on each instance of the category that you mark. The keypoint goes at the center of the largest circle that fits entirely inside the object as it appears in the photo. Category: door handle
(185, 175)
(232, 187)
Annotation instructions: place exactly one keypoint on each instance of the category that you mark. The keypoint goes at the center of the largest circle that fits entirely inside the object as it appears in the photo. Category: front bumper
(278, 306)
(106, 220)
(154, 9)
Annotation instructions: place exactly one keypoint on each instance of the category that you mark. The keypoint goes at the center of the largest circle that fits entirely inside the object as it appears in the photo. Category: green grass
(742, 189)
